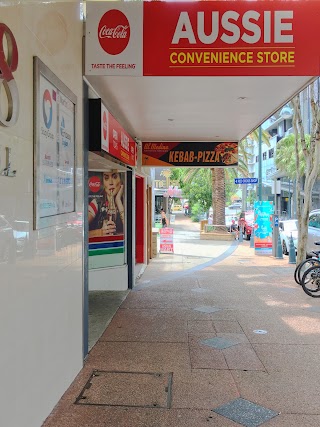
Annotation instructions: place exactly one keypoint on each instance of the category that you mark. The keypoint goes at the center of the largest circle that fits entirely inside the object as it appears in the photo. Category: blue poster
(263, 212)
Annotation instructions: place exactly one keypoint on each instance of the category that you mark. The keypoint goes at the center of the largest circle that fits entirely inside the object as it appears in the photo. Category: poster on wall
(263, 211)
(54, 148)
(106, 218)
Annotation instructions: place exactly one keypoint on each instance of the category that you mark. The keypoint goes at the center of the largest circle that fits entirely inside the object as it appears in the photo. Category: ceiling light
(170, 120)
(242, 98)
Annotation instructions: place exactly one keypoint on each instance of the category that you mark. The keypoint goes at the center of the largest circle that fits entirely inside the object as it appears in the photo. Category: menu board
(54, 149)
(166, 240)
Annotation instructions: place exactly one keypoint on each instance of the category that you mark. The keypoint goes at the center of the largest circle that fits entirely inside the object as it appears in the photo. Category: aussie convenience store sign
(203, 38)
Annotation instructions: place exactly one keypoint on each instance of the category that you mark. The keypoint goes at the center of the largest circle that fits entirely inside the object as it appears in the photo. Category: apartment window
(264, 156)
(257, 159)
(271, 153)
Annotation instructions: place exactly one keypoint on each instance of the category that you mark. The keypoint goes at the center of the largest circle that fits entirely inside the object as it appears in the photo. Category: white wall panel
(40, 288)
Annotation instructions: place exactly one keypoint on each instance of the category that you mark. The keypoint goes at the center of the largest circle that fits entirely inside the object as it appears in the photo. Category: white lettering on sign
(252, 27)
(118, 32)
(124, 141)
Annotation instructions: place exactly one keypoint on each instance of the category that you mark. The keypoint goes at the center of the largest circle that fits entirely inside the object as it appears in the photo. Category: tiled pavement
(223, 341)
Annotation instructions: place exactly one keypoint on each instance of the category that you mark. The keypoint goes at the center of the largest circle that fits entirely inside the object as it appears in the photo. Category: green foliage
(196, 211)
(196, 186)
(196, 183)
(230, 189)
(199, 190)
(251, 197)
(285, 159)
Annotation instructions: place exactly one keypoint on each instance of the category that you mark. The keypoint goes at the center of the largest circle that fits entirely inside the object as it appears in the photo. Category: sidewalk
(203, 343)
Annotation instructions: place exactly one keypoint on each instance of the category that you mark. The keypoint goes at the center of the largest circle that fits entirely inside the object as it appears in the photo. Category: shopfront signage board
(211, 38)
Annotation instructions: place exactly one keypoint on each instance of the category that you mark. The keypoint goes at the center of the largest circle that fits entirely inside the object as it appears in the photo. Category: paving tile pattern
(246, 413)
(163, 325)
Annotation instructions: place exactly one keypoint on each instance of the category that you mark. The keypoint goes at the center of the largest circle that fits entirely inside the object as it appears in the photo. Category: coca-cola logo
(94, 184)
(114, 32)
(104, 125)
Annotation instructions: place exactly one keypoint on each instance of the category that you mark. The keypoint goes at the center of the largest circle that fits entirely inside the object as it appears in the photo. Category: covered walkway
(214, 336)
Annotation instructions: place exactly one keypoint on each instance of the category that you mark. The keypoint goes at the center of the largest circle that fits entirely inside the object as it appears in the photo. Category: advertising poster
(190, 154)
(66, 155)
(48, 154)
(263, 212)
(106, 218)
(166, 240)
(54, 148)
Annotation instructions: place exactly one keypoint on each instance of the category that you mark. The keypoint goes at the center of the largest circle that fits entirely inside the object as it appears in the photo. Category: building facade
(47, 172)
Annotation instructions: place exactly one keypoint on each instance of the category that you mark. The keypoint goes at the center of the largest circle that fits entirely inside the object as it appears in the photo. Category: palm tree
(218, 176)
(218, 196)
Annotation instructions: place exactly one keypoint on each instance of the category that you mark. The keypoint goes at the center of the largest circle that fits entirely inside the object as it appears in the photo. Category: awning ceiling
(194, 108)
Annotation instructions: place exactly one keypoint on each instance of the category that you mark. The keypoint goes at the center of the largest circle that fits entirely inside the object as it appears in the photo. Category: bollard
(252, 240)
(292, 251)
(240, 235)
(279, 249)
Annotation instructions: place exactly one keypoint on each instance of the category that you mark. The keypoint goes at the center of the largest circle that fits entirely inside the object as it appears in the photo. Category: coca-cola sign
(114, 32)
(94, 184)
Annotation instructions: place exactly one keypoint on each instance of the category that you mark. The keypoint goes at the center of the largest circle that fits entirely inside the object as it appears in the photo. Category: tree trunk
(218, 196)
(312, 156)
(214, 208)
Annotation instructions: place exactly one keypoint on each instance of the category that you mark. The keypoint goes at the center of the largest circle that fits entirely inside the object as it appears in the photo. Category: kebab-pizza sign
(190, 154)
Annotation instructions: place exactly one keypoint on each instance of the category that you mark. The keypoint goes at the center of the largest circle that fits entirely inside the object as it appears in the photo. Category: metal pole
(260, 165)
(289, 201)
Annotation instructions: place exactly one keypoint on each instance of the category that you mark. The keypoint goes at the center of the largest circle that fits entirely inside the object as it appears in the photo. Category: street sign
(276, 221)
(246, 180)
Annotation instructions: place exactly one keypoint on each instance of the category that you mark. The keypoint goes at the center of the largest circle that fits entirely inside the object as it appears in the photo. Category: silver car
(313, 230)
(287, 229)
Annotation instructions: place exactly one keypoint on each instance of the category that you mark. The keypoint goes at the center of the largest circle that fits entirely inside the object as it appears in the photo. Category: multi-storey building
(279, 126)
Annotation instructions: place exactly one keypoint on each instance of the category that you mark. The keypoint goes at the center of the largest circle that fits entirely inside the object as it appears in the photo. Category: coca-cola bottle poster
(106, 218)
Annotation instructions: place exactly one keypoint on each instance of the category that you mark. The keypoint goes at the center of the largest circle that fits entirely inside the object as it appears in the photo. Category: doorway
(140, 233)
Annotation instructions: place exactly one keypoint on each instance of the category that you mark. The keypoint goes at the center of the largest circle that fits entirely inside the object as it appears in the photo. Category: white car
(313, 230)
(287, 229)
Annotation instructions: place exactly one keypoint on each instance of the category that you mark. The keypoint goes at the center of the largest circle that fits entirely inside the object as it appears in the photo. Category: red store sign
(121, 145)
(205, 38)
(106, 134)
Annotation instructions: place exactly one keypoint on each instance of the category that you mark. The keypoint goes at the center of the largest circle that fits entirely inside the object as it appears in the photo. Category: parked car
(287, 229)
(313, 230)
(245, 223)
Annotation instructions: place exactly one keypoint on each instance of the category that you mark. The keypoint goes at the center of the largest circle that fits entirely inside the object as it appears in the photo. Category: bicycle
(311, 282)
(313, 260)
